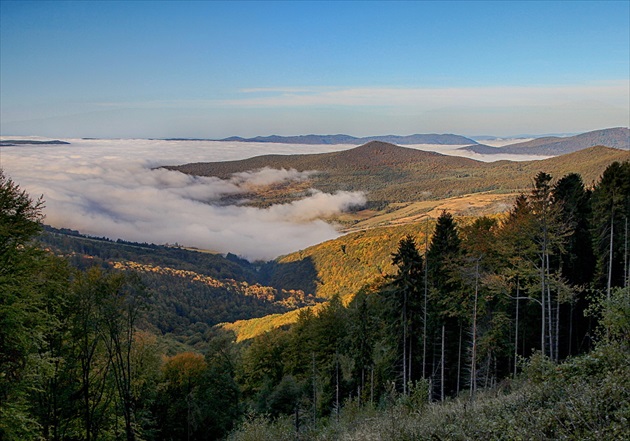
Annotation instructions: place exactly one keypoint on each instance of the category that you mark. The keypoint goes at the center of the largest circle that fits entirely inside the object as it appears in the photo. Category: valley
(406, 189)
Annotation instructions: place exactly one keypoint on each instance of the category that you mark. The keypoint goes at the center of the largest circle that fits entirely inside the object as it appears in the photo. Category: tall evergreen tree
(442, 257)
(407, 286)
(577, 263)
(550, 236)
(611, 209)
(517, 251)
(482, 308)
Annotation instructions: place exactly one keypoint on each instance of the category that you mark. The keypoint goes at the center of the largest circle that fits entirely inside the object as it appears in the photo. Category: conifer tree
(442, 257)
(611, 209)
(549, 235)
(407, 286)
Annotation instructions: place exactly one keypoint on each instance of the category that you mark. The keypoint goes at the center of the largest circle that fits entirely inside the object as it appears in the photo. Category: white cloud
(110, 188)
(612, 92)
(360, 111)
(268, 176)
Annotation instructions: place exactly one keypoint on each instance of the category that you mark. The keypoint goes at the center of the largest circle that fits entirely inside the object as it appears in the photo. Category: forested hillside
(189, 291)
(503, 326)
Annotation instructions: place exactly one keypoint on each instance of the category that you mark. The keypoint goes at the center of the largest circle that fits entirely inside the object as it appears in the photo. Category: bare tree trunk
(473, 361)
(549, 307)
(314, 392)
(557, 328)
(372, 386)
(426, 294)
(626, 270)
(404, 319)
(485, 383)
(459, 357)
(543, 335)
(337, 385)
(409, 357)
(571, 328)
(518, 294)
(610, 256)
(442, 367)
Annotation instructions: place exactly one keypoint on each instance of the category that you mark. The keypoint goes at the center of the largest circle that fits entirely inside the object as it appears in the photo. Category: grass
(478, 204)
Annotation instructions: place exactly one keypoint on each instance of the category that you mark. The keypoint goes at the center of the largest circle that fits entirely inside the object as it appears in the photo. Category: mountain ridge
(429, 138)
(616, 137)
(17, 142)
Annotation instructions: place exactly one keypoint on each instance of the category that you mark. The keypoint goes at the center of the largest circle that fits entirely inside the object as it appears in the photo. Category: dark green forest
(500, 328)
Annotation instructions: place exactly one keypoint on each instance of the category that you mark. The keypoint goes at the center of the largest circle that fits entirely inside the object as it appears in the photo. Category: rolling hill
(393, 176)
(618, 138)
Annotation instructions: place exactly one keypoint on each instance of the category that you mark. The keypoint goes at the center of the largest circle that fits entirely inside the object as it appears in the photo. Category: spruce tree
(611, 209)
(442, 259)
(407, 286)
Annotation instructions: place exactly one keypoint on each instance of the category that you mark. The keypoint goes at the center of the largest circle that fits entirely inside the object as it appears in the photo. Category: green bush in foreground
(585, 398)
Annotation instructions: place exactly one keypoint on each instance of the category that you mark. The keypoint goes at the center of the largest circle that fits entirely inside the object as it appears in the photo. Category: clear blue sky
(215, 69)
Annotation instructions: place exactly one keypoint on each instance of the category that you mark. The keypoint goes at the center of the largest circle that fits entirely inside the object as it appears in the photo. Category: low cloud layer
(111, 188)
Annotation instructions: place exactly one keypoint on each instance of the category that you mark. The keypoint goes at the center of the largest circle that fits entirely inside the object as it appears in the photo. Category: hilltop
(395, 176)
(618, 138)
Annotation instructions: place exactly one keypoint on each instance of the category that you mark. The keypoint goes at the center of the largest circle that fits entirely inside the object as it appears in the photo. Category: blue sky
(215, 69)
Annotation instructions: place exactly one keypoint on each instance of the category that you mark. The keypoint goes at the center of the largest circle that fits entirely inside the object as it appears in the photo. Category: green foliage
(189, 291)
(587, 397)
(22, 313)
(613, 314)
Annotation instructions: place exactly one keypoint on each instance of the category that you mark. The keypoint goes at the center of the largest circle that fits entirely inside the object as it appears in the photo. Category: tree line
(457, 315)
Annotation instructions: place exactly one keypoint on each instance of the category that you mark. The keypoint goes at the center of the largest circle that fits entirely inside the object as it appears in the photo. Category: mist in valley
(114, 188)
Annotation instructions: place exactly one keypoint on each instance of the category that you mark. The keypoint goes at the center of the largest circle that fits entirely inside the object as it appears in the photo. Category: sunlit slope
(341, 266)
(618, 137)
(344, 265)
(391, 174)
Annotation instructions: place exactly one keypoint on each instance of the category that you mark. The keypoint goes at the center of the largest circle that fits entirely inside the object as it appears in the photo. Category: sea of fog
(111, 188)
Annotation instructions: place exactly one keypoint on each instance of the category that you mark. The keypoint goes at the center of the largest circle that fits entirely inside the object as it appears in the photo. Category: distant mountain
(441, 139)
(301, 139)
(15, 142)
(618, 138)
(522, 136)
